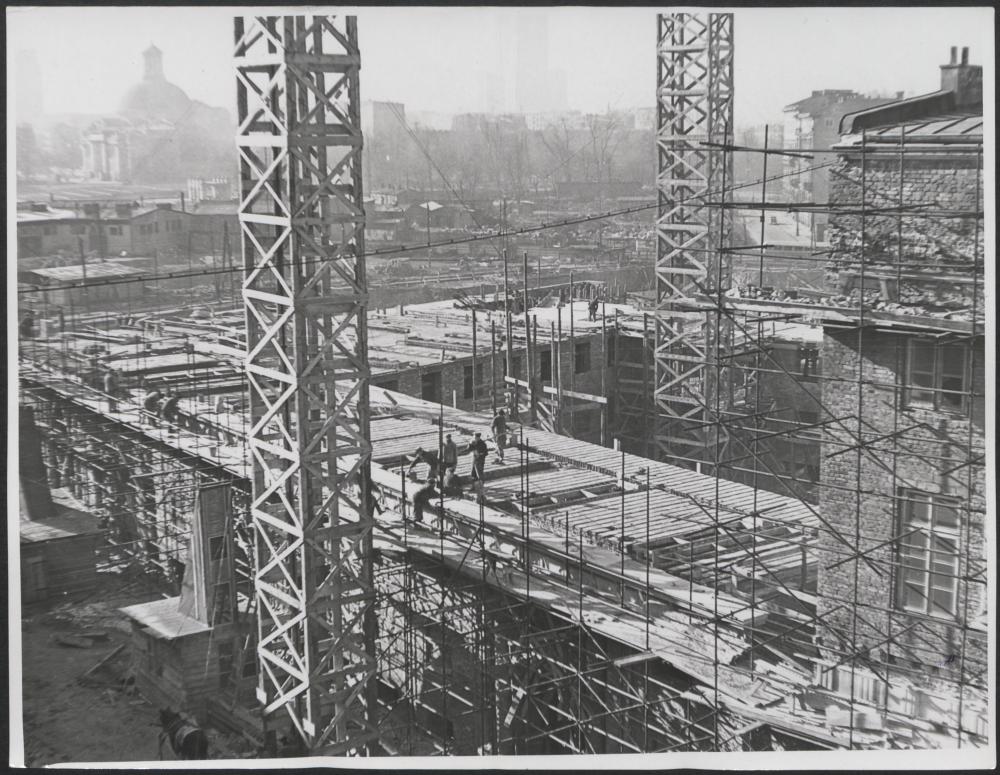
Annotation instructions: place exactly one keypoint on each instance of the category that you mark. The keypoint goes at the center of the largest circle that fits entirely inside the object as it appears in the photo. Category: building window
(115, 231)
(430, 386)
(808, 362)
(582, 359)
(928, 553)
(468, 385)
(937, 375)
(808, 417)
(545, 365)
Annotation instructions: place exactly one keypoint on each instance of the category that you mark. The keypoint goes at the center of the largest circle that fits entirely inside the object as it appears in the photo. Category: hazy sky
(432, 58)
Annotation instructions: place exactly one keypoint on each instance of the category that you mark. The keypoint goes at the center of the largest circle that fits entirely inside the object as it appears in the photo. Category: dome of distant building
(154, 96)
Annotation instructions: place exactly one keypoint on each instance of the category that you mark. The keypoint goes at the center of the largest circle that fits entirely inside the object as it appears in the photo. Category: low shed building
(58, 554)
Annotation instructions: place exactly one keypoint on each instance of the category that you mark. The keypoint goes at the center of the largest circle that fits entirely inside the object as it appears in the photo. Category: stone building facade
(902, 563)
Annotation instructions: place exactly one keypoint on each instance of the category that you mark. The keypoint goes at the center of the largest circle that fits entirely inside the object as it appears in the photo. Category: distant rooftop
(93, 271)
(44, 215)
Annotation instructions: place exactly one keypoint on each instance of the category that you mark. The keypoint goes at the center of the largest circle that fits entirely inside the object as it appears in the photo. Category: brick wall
(860, 498)
(410, 381)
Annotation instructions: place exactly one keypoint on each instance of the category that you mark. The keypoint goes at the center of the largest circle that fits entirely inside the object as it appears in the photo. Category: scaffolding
(645, 609)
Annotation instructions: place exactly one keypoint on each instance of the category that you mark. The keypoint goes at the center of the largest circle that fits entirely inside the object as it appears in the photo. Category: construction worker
(151, 403)
(422, 497)
(111, 389)
(168, 408)
(423, 456)
(479, 452)
(499, 428)
(451, 484)
(449, 455)
(592, 308)
(27, 326)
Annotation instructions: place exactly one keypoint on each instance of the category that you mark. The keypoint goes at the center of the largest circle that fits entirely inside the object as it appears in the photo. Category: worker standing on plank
(479, 452)
(151, 404)
(27, 326)
(592, 308)
(449, 455)
(499, 428)
(111, 389)
(423, 456)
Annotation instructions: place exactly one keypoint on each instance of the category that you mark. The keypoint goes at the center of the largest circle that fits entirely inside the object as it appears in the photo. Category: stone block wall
(936, 234)
(859, 502)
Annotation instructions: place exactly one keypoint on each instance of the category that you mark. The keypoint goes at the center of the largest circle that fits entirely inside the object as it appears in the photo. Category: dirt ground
(99, 720)
(64, 720)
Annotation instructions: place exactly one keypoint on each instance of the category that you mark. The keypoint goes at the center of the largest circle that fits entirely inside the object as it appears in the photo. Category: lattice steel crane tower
(305, 298)
(694, 89)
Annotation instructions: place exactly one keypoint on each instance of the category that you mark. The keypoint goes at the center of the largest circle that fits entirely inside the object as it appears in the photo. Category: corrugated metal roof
(933, 129)
(936, 127)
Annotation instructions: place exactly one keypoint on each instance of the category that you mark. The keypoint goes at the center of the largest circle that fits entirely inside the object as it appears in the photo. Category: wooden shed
(180, 659)
(58, 554)
(177, 659)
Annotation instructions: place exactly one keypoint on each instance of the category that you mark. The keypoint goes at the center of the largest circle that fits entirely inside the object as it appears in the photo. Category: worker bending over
(424, 456)
(422, 497)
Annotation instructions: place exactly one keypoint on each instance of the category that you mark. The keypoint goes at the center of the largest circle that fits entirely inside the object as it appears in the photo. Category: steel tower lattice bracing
(305, 298)
(694, 109)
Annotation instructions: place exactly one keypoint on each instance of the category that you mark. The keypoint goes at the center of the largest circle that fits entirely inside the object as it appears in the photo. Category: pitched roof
(944, 128)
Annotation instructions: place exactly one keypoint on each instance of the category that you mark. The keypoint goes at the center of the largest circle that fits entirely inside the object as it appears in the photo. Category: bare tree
(605, 137)
(557, 139)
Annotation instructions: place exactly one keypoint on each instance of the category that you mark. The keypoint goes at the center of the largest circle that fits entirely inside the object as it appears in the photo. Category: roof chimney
(963, 80)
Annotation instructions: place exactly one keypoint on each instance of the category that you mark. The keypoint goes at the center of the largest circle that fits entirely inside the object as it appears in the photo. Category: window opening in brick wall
(928, 553)
(582, 358)
(937, 375)
(430, 386)
(467, 384)
(545, 365)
